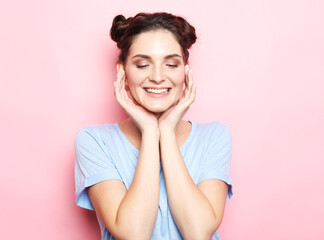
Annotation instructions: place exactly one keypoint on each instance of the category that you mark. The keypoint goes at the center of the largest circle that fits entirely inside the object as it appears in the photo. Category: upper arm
(216, 192)
(106, 198)
(98, 183)
(214, 180)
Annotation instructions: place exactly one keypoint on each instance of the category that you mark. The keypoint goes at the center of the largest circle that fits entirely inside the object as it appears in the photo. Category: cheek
(133, 78)
(181, 82)
(178, 78)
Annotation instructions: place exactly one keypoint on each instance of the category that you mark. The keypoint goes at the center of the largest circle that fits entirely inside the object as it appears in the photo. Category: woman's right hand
(141, 117)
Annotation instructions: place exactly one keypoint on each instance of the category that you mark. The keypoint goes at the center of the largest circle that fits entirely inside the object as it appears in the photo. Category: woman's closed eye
(169, 65)
(173, 65)
(142, 66)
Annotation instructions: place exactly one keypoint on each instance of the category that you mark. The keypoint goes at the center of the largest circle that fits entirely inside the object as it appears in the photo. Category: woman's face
(155, 70)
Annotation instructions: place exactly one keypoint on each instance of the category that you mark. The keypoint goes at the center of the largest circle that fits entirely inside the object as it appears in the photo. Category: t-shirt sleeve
(93, 164)
(217, 164)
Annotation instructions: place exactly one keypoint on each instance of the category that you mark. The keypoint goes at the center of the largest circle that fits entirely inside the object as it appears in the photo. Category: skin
(156, 128)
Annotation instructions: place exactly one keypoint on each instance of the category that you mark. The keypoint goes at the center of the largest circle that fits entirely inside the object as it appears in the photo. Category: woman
(154, 175)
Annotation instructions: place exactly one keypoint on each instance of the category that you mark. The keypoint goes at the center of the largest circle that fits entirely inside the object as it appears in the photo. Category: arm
(129, 214)
(197, 210)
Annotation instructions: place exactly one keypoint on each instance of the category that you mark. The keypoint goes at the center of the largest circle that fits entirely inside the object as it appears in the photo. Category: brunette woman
(154, 175)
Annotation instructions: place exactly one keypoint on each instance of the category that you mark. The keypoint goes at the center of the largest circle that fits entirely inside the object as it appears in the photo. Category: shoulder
(214, 129)
(94, 132)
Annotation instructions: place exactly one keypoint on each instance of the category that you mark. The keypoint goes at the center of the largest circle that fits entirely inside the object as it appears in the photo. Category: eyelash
(169, 65)
(141, 66)
(173, 65)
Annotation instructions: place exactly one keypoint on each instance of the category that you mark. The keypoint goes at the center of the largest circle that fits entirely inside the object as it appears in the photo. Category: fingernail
(118, 74)
(115, 83)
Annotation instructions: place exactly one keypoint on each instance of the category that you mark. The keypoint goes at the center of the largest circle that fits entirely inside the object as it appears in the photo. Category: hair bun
(118, 28)
(189, 33)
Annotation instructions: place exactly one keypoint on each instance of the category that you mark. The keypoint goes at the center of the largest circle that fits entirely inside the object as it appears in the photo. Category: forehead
(155, 43)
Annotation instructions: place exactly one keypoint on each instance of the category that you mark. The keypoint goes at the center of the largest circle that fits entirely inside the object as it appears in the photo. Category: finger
(193, 91)
(193, 95)
(185, 92)
(120, 76)
(186, 74)
(190, 96)
(131, 98)
(116, 84)
(189, 83)
(185, 82)
(123, 80)
(116, 90)
(190, 78)
(122, 84)
(119, 93)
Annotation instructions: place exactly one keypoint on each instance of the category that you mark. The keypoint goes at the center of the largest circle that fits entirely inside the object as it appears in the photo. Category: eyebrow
(148, 57)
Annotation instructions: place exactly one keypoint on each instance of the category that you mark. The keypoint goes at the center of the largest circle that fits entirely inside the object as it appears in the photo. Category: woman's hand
(141, 117)
(170, 119)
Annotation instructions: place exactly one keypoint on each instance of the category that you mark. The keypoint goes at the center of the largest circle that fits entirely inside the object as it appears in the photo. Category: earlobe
(119, 66)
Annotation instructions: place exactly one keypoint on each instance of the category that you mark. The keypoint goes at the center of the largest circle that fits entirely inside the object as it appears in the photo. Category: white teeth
(152, 90)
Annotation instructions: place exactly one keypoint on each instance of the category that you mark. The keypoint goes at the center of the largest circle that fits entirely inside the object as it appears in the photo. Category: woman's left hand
(170, 119)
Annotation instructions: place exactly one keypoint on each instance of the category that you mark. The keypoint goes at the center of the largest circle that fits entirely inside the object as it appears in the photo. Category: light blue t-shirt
(103, 152)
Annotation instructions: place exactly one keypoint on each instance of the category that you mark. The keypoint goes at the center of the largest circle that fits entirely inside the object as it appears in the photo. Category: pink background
(258, 66)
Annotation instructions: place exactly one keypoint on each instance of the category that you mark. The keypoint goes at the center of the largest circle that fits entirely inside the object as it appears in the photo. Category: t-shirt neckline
(183, 146)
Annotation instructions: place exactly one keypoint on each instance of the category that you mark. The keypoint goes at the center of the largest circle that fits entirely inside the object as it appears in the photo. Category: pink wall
(258, 66)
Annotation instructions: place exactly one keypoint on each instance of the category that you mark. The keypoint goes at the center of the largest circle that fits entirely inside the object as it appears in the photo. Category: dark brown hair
(123, 31)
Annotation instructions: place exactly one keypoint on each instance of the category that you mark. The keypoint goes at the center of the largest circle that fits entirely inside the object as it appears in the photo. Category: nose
(157, 74)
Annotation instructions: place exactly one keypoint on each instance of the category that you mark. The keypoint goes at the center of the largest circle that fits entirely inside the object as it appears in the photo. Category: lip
(156, 87)
(157, 95)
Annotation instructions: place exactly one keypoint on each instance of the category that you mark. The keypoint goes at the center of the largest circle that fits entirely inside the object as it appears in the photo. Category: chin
(157, 109)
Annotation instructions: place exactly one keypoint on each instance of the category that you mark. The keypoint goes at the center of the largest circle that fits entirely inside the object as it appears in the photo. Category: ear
(119, 66)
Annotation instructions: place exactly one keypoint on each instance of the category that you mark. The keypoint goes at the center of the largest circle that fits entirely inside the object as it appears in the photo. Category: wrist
(151, 132)
(167, 132)
(166, 129)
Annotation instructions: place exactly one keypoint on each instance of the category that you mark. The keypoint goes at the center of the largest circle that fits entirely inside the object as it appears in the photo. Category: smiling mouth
(157, 91)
